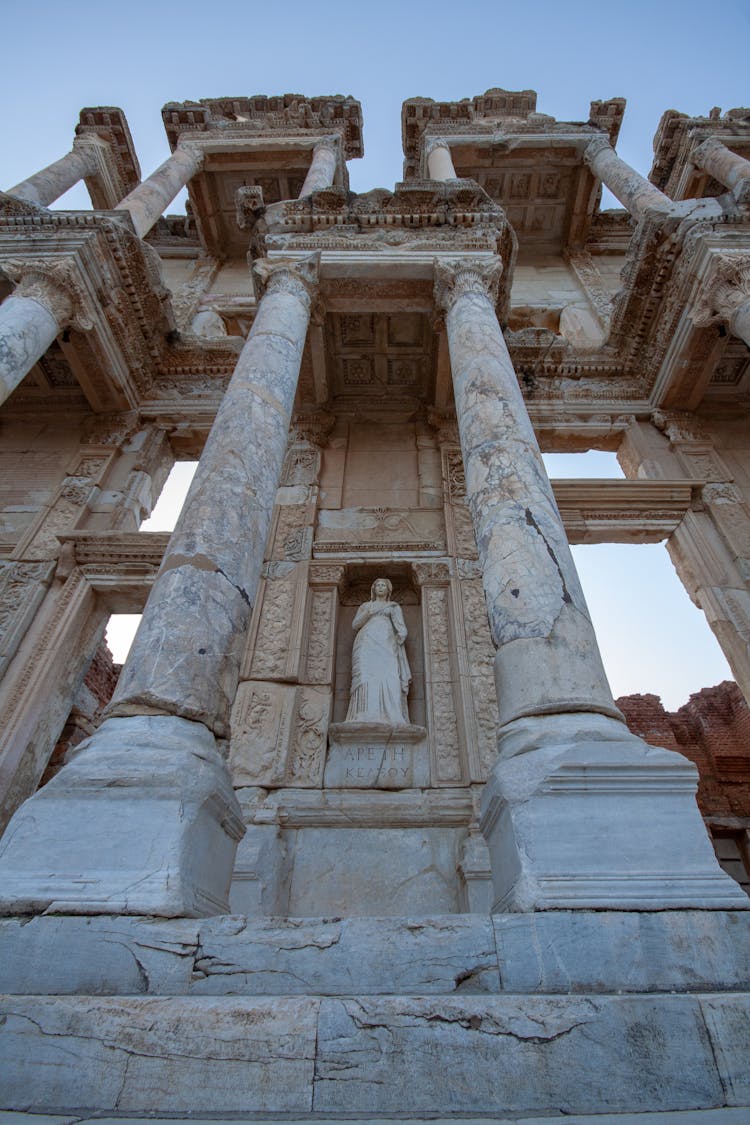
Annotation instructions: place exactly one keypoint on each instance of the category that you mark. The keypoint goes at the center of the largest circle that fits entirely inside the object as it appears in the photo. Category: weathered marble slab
(472, 1055)
(563, 952)
(139, 1055)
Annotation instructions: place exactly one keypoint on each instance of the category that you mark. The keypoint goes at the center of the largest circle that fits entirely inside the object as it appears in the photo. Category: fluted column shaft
(721, 163)
(147, 202)
(548, 658)
(31, 319)
(439, 161)
(322, 170)
(185, 657)
(47, 185)
(632, 189)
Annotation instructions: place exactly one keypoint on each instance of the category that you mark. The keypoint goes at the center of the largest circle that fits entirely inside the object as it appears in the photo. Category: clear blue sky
(659, 55)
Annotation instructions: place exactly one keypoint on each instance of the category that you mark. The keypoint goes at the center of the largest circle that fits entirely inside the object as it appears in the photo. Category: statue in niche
(380, 669)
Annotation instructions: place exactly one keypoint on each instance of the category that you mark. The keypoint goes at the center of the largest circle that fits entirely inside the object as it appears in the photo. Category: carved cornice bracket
(311, 429)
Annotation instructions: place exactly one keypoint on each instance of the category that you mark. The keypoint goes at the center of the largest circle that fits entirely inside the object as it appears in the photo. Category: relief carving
(481, 655)
(273, 637)
(319, 661)
(439, 677)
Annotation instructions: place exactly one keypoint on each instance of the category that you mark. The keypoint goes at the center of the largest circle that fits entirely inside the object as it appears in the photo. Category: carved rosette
(297, 276)
(55, 284)
(727, 290)
(459, 277)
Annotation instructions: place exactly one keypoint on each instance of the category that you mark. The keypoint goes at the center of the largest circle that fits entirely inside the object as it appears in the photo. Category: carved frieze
(380, 529)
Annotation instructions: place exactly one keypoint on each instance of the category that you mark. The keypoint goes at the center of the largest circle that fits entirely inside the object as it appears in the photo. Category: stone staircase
(447, 1018)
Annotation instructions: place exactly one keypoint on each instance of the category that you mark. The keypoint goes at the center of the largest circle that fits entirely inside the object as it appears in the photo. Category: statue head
(381, 587)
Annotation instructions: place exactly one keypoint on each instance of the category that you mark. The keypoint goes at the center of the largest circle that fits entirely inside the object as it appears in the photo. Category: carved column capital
(297, 276)
(53, 284)
(433, 143)
(194, 151)
(596, 146)
(726, 290)
(330, 143)
(456, 277)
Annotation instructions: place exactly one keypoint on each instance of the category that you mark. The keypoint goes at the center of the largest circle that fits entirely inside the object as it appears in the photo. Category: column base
(581, 821)
(143, 820)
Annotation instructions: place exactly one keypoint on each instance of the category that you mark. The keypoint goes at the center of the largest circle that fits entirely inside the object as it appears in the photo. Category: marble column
(144, 819)
(723, 164)
(43, 303)
(147, 202)
(573, 808)
(725, 298)
(47, 185)
(632, 189)
(439, 160)
(322, 170)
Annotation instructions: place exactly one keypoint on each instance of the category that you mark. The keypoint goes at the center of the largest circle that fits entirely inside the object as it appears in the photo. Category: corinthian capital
(596, 145)
(727, 288)
(455, 277)
(53, 284)
(298, 276)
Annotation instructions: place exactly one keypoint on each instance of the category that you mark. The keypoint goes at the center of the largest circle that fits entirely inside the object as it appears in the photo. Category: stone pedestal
(370, 755)
(142, 821)
(603, 824)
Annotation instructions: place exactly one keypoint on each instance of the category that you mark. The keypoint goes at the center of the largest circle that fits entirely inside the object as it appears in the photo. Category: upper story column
(322, 170)
(724, 165)
(632, 189)
(726, 297)
(47, 185)
(144, 819)
(45, 301)
(439, 159)
(147, 202)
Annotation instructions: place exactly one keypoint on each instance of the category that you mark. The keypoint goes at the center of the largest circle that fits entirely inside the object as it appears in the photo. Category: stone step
(317, 1058)
(551, 952)
(682, 1117)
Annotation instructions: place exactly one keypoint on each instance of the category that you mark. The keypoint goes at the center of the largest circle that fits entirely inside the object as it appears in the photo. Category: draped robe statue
(380, 669)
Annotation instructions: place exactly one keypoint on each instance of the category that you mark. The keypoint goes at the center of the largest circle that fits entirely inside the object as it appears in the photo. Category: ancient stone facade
(368, 380)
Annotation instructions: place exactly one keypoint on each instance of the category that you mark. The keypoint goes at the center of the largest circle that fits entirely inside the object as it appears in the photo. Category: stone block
(158, 1055)
(346, 956)
(534, 1054)
(372, 755)
(728, 1022)
(607, 951)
